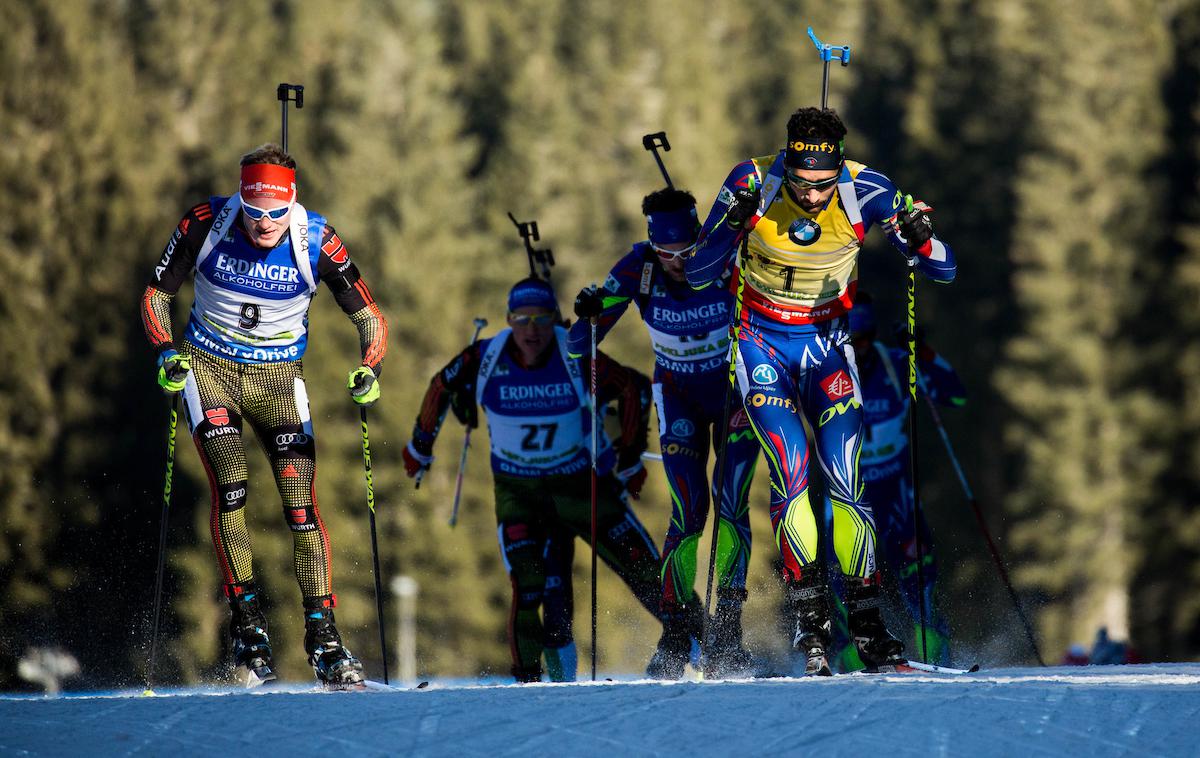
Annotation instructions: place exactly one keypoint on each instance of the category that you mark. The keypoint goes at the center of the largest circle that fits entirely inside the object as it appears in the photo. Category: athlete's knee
(291, 441)
(231, 496)
(631, 542)
(523, 557)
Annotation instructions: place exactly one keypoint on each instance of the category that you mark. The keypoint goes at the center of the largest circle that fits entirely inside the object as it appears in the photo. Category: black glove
(915, 225)
(589, 303)
(465, 410)
(924, 352)
(742, 207)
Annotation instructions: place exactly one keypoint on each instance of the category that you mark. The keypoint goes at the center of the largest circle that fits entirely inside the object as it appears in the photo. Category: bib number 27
(538, 436)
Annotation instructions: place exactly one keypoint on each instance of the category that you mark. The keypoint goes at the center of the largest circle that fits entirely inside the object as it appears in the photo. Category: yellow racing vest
(802, 267)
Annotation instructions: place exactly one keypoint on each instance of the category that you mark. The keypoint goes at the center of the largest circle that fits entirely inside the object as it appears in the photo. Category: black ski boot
(810, 599)
(248, 629)
(876, 646)
(724, 656)
(675, 645)
(335, 666)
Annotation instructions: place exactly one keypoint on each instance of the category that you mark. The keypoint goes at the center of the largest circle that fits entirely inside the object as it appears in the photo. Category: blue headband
(671, 227)
(862, 318)
(532, 293)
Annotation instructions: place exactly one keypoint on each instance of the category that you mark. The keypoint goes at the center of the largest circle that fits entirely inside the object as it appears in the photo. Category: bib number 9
(249, 316)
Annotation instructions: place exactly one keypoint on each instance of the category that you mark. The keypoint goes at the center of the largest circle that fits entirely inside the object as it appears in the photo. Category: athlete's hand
(742, 207)
(924, 352)
(172, 370)
(589, 303)
(415, 461)
(634, 478)
(363, 386)
(916, 226)
(465, 410)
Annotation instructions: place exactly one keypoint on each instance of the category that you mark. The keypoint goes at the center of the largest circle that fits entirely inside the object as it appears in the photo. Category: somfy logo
(764, 374)
(683, 428)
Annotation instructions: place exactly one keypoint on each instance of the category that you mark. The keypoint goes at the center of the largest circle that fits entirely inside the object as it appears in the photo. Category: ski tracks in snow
(1100, 711)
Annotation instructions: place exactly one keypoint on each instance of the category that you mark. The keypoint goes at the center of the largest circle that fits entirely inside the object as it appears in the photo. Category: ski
(916, 667)
(252, 678)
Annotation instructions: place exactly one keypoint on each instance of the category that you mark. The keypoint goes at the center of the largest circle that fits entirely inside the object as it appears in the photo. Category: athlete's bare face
(266, 232)
(800, 184)
(533, 331)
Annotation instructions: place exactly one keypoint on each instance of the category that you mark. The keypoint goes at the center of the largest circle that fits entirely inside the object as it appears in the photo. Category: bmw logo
(804, 231)
(683, 428)
(764, 374)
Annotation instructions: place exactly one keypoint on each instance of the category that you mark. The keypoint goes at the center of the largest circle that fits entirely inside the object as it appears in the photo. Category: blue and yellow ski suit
(795, 281)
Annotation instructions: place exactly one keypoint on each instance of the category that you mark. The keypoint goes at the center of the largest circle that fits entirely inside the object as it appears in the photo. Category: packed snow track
(1101, 710)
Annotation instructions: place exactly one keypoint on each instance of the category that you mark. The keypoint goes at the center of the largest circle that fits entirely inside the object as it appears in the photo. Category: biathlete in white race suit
(539, 422)
(689, 332)
(795, 221)
(257, 258)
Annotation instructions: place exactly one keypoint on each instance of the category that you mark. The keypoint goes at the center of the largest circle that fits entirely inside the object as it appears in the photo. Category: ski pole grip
(658, 139)
(285, 91)
(828, 53)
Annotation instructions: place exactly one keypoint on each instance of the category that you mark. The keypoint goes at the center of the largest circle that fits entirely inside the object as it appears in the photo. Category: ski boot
(527, 674)
(335, 666)
(876, 645)
(810, 599)
(248, 629)
(725, 658)
(675, 644)
(561, 662)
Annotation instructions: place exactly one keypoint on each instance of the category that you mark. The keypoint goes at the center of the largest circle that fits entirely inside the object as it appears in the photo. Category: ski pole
(828, 53)
(480, 323)
(595, 443)
(912, 438)
(983, 527)
(718, 498)
(366, 447)
(537, 258)
(288, 93)
(162, 539)
(654, 141)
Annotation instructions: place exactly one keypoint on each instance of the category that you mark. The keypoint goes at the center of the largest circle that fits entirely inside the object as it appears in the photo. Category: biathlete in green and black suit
(537, 404)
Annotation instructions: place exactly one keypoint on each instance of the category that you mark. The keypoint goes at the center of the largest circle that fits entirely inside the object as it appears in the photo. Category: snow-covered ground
(1101, 710)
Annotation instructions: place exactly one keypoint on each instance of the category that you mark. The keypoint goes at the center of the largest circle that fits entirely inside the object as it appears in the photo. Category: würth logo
(217, 416)
(335, 249)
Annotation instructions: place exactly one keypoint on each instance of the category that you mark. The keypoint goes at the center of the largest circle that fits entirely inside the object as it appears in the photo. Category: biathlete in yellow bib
(795, 222)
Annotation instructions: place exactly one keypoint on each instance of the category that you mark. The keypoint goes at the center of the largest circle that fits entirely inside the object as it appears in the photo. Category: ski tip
(973, 669)
(422, 685)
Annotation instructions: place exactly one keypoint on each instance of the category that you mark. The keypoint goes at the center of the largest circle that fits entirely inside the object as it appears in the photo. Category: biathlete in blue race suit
(883, 373)
(795, 222)
(689, 332)
(539, 422)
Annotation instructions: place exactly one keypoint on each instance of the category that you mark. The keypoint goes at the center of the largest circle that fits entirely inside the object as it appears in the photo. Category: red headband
(268, 181)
